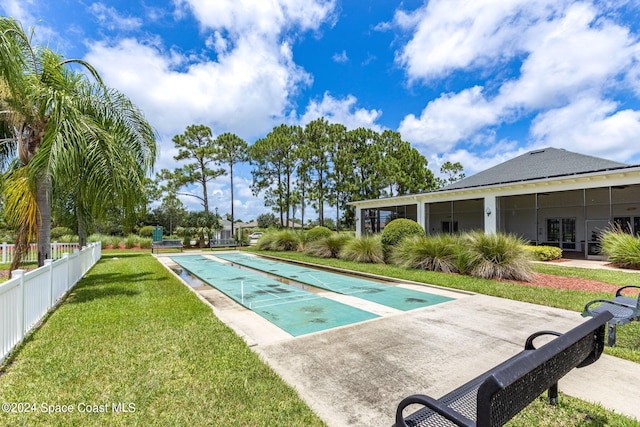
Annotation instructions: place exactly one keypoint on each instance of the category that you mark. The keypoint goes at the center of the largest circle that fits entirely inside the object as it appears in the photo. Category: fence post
(65, 257)
(21, 320)
(4, 252)
(49, 263)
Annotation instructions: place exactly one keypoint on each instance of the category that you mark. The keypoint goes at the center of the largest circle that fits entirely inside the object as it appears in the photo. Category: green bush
(496, 256)
(367, 248)
(398, 229)
(131, 241)
(317, 233)
(433, 253)
(328, 247)
(58, 232)
(145, 243)
(622, 248)
(146, 231)
(280, 240)
(544, 253)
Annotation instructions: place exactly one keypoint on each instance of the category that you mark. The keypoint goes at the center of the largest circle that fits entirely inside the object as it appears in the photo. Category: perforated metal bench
(222, 243)
(625, 309)
(499, 394)
(166, 244)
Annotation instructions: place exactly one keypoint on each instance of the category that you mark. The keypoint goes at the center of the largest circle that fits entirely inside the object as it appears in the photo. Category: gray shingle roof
(537, 164)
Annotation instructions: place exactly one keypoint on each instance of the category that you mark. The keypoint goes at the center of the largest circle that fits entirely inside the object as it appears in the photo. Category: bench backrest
(510, 389)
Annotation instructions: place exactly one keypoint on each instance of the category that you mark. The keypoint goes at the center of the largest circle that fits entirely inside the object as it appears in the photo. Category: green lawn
(132, 334)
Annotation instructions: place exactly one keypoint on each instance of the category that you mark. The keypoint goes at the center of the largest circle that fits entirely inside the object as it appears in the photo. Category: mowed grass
(131, 336)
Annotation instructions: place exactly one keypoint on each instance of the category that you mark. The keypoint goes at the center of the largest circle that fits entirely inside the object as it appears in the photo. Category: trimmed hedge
(545, 253)
(399, 229)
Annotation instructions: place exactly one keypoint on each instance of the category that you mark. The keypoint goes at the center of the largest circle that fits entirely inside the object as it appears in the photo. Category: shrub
(68, 238)
(622, 248)
(328, 247)
(496, 256)
(145, 243)
(279, 240)
(400, 228)
(146, 231)
(58, 232)
(544, 253)
(317, 233)
(433, 253)
(367, 248)
(131, 241)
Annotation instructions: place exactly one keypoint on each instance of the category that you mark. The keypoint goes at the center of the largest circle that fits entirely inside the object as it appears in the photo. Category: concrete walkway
(356, 375)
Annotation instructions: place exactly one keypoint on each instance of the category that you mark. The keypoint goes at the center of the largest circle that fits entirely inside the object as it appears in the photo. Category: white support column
(421, 217)
(358, 221)
(490, 215)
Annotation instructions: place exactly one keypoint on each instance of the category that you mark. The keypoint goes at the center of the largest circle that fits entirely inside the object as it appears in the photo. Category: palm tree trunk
(43, 200)
(82, 232)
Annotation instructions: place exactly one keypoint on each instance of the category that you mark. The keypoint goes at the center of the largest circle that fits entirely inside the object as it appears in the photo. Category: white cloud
(245, 92)
(573, 58)
(590, 125)
(343, 111)
(340, 57)
(448, 119)
(266, 17)
(450, 35)
(112, 20)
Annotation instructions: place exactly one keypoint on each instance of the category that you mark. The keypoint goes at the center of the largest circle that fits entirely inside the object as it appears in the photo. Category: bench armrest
(528, 345)
(587, 311)
(435, 406)
(619, 293)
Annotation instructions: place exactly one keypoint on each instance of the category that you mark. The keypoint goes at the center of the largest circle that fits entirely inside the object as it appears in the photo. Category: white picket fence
(28, 296)
(57, 251)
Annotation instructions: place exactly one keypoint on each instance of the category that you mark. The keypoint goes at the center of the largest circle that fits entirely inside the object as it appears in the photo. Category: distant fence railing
(57, 251)
(28, 296)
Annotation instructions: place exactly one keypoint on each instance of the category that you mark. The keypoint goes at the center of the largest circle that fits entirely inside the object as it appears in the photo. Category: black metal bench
(166, 244)
(625, 309)
(496, 396)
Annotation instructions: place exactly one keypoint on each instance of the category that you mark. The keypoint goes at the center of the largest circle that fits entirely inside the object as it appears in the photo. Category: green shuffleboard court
(294, 310)
(391, 296)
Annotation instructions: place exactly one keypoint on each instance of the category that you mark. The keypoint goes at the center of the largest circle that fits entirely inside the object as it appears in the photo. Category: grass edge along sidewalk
(132, 338)
(131, 345)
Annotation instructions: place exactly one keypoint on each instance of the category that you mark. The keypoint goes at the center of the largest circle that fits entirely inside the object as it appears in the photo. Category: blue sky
(477, 82)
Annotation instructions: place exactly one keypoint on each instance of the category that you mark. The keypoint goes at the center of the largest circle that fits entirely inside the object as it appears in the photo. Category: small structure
(549, 197)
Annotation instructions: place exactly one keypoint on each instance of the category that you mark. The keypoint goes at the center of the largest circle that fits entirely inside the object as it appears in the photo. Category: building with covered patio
(548, 197)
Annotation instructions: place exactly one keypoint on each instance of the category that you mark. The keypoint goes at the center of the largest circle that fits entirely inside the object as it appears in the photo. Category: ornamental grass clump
(317, 233)
(433, 253)
(496, 256)
(623, 249)
(279, 240)
(367, 249)
(327, 247)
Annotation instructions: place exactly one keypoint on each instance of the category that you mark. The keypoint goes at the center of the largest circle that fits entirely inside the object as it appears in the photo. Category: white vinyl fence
(57, 251)
(28, 296)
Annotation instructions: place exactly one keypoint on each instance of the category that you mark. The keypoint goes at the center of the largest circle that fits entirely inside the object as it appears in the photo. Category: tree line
(319, 165)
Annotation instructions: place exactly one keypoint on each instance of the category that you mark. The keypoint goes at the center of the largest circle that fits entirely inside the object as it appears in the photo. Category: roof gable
(537, 164)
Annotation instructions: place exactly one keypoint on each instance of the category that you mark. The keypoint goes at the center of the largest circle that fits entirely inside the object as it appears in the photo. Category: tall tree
(454, 172)
(197, 145)
(56, 119)
(274, 160)
(231, 150)
(315, 163)
(407, 170)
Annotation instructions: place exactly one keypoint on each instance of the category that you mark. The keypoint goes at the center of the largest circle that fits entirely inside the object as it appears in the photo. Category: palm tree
(68, 130)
